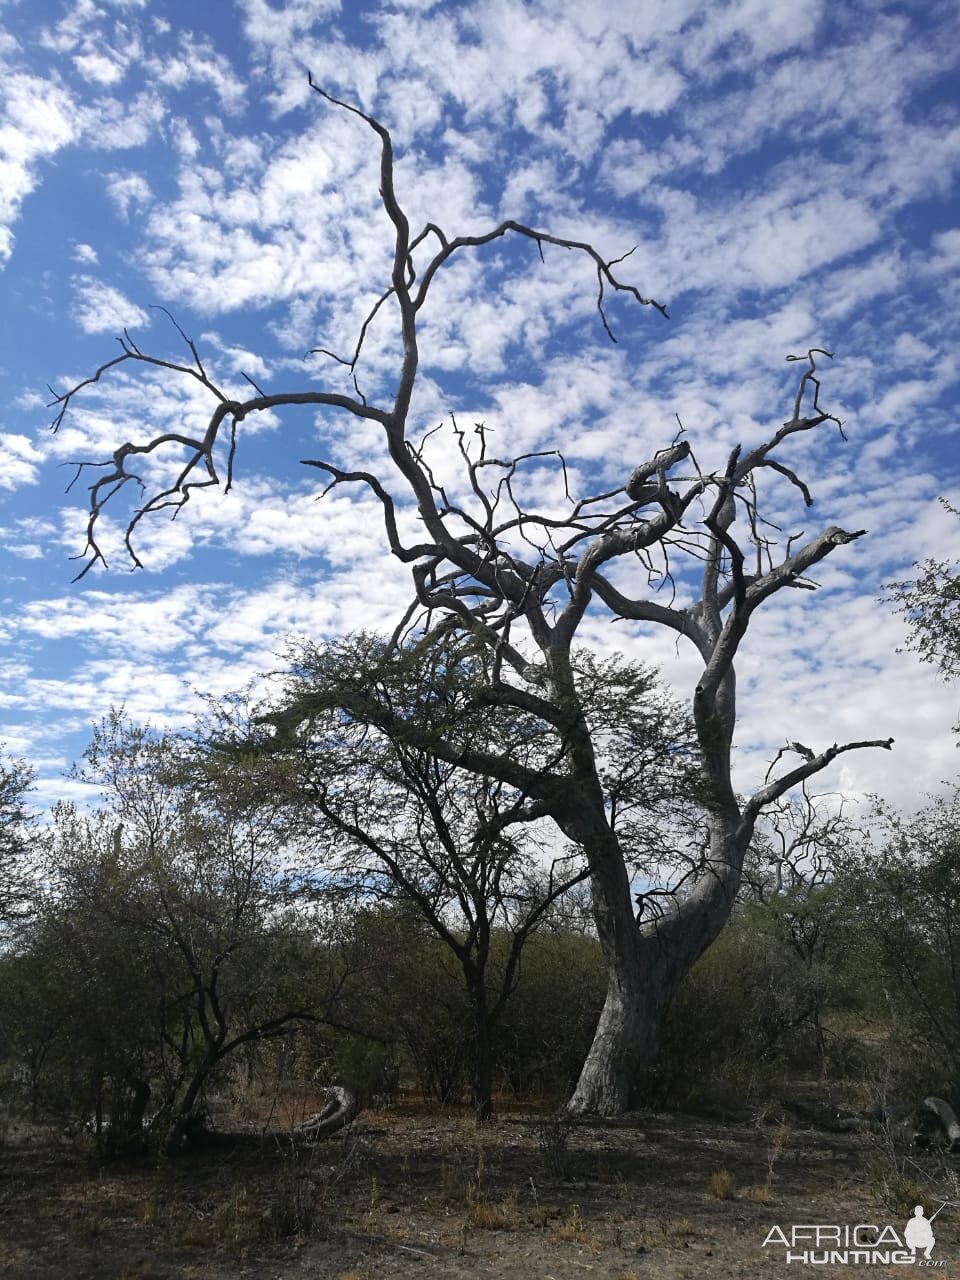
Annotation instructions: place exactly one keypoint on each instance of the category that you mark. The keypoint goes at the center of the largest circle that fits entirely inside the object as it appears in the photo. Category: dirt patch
(408, 1194)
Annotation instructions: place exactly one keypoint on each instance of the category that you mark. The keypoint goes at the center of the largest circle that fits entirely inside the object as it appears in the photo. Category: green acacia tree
(182, 874)
(931, 605)
(78, 1006)
(476, 855)
(903, 891)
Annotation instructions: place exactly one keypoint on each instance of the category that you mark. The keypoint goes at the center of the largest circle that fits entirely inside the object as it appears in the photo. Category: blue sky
(786, 171)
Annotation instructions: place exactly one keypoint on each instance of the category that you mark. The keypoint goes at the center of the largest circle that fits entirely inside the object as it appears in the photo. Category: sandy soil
(409, 1193)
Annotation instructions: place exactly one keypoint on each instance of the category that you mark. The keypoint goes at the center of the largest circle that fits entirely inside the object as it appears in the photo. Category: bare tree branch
(813, 764)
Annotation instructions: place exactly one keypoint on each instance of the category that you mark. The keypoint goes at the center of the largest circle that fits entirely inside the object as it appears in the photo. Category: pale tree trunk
(645, 966)
(626, 1033)
(624, 1044)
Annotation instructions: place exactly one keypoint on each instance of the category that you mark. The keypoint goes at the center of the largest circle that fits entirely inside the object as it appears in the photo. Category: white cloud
(18, 460)
(269, 24)
(37, 119)
(100, 67)
(128, 190)
(772, 161)
(71, 29)
(238, 360)
(196, 61)
(230, 242)
(100, 308)
(112, 123)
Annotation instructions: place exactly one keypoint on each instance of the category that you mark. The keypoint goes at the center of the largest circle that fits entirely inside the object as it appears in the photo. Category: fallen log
(935, 1115)
(339, 1110)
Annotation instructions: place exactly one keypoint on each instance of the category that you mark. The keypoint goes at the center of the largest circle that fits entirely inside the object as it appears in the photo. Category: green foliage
(16, 883)
(931, 605)
(412, 1022)
(756, 1006)
(850, 970)
(408, 1001)
(75, 1004)
(169, 940)
(905, 898)
(360, 709)
(436, 779)
(547, 1028)
(176, 935)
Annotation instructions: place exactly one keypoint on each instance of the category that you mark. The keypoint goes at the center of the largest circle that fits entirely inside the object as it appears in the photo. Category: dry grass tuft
(491, 1215)
(722, 1185)
(758, 1195)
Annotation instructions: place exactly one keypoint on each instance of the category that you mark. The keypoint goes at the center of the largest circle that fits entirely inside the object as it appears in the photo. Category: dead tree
(518, 584)
(339, 1110)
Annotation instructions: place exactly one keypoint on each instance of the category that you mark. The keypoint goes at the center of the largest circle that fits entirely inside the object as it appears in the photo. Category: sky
(785, 173)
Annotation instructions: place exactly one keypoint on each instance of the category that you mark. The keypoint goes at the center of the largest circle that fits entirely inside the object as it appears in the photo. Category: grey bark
(645, 965)
(340, 1110)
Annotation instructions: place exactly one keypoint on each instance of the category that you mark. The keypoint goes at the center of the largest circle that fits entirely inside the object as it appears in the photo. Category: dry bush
(722, 1185)
(554, 1136)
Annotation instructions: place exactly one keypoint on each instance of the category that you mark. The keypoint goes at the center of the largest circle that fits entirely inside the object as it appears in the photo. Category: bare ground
(410, 1193)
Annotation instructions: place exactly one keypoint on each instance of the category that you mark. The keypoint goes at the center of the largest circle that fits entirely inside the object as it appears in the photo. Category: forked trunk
(625, 1040)
(183, 1110)
(645, 965)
